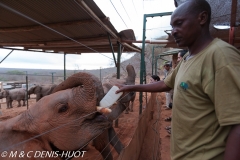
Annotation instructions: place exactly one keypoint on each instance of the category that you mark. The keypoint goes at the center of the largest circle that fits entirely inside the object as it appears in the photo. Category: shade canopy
(70, 26)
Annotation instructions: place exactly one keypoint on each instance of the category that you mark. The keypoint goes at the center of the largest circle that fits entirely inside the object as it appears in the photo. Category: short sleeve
(227, 94)
(170, 79)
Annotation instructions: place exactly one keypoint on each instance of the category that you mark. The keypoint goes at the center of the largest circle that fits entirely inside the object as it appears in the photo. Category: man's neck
(200, 43)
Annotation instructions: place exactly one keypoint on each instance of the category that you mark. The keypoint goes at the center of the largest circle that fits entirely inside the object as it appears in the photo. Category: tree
(16, 72)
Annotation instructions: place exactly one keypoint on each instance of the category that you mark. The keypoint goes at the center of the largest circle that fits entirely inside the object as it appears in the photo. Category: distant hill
(44, 76)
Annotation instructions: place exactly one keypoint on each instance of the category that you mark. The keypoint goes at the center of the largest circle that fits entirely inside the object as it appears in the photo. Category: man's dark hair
(183, 52)
(155, 77)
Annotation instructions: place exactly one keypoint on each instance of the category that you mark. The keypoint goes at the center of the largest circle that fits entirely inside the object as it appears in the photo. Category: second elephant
(41, 90)
(17, 94)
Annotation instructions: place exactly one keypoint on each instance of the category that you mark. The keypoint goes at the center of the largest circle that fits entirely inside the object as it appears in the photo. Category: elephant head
(101, 142)
(41, 90)
(124, 100)
(33, 90)
(69, 114)
(1, 95)
(4, 94)
(130, 80)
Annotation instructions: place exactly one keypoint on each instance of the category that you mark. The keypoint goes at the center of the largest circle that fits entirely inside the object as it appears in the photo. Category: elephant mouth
(99, 117)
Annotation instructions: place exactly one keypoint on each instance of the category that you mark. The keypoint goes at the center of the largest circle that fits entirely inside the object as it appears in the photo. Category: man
(206, 111)
(168, 94)
(166, 69)
(181, 55)
(154, 78)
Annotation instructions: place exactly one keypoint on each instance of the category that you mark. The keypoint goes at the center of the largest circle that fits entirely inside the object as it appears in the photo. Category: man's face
(152, 80)
(179, 58)
(167, 67)
(185, 28)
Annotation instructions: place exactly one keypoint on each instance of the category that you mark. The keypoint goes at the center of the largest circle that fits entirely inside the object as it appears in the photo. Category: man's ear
(203, 17)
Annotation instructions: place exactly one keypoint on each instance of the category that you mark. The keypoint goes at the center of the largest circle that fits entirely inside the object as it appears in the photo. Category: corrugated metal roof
(221, 15)
(21, 20)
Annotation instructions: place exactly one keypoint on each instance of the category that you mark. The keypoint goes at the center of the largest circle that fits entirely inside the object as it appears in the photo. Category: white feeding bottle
(111, 97)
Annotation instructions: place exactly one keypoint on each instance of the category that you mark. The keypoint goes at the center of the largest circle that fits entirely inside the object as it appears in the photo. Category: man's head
(154, 78)
(181, 54)
(190, 21)
(167, 66)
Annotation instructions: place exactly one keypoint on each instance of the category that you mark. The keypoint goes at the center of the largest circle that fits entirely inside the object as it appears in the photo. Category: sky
(123, 14)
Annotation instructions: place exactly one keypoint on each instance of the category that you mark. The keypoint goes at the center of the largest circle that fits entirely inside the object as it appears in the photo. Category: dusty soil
(127, 125)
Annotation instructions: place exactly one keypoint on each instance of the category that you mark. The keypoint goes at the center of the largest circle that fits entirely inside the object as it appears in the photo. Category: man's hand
(122, 88)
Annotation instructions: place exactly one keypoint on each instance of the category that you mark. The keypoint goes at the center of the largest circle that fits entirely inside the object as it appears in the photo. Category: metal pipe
(27, 89)
(152, 59)
(6, 56)
(100, 74)
(156, 63)
(150, 41)
(118, 70)
(232, 22)
(64, 66)
(142, 66)
(110, 42)
(52, 77)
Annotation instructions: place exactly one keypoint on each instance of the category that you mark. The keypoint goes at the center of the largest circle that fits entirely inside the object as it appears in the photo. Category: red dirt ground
(125, 131)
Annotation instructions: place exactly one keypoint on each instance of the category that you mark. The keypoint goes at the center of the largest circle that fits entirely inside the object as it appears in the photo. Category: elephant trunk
(131, 75)
(91, 85)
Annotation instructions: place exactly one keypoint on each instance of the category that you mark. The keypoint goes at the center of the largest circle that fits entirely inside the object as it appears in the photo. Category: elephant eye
(64, 108)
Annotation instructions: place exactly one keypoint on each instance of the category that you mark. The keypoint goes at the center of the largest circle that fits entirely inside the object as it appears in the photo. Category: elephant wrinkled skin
(65, 120)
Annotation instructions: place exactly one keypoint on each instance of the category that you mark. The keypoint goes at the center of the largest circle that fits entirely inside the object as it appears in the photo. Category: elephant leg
(101, 143)
(24, 104)
(10, 103)
(131, 108)
(19, 103)
(7, 102)
(114, 140)
(127, 108)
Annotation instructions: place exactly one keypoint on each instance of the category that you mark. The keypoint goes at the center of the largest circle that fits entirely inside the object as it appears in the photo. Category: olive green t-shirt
(206, 102)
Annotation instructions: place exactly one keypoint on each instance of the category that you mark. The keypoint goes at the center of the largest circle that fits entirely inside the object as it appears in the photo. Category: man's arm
(159, 86)
(232, 151)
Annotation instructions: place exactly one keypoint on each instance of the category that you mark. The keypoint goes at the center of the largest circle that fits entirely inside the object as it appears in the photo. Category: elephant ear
(37, 89)
(5, 93)
(90, 83)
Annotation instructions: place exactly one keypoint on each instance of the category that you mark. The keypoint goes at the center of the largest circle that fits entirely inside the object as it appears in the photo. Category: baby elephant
(17, 94)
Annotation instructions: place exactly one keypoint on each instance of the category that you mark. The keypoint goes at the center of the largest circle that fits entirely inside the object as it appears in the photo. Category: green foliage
(16, 72)
(2, 79)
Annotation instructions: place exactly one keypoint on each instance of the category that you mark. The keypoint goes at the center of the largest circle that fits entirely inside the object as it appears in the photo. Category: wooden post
(1, 87)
